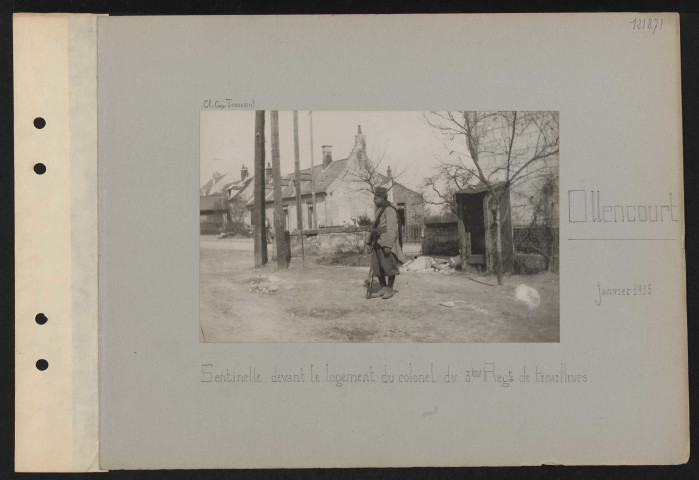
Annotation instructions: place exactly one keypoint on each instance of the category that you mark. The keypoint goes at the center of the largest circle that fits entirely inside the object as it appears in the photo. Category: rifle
(370, 282)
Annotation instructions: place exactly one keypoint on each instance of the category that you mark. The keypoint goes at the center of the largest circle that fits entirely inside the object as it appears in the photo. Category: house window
(286, 218)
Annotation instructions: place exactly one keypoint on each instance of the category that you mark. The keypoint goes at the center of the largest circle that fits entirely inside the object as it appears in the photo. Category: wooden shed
(213, 214)
(477, 232)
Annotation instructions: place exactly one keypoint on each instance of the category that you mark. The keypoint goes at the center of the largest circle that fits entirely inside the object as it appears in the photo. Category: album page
(364, 241)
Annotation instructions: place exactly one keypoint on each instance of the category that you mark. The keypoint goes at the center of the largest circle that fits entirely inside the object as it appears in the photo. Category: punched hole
(39, 168)
(42, 364)
(39, 123)
(41, 318)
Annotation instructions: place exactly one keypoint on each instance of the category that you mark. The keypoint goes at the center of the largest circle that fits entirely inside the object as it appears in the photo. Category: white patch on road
(527, 295)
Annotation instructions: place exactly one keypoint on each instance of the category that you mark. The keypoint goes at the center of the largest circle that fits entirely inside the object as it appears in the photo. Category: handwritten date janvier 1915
(638, 289)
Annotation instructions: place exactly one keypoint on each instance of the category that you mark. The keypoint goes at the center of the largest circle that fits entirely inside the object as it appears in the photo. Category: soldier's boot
(389, 288)
(382, 290)
(380, 293)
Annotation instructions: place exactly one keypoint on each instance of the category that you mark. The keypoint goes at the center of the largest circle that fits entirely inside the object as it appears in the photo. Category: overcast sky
(406, 141)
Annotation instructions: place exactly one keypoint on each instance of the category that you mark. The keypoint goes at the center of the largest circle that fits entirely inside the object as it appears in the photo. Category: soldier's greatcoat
(388, 230)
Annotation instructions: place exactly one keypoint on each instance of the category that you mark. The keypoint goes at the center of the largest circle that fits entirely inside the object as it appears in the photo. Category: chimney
(388, 172)
(268, 170)
(243, 173)
(327, 155)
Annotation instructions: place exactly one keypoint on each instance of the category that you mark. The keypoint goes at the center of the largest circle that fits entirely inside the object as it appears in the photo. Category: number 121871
(647, 24)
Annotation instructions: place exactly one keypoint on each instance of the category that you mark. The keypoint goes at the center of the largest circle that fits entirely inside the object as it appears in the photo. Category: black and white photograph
(337, 226)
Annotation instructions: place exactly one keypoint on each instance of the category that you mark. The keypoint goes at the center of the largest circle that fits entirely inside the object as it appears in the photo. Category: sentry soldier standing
(386, 242)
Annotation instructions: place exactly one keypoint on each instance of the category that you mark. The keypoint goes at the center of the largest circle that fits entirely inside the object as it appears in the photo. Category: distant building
(217, 210)
(213, 214)
(340, 198)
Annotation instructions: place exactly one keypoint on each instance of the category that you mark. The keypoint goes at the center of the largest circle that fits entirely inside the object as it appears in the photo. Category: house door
(401, 220)
(311, 226)
(287, 222)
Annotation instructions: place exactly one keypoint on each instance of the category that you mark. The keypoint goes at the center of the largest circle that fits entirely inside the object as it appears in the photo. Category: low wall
(526, 263)
(210, 228)
(336, 240)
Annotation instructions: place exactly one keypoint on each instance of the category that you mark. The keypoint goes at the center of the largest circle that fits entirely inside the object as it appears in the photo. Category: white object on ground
(528, 295)
(420, 264)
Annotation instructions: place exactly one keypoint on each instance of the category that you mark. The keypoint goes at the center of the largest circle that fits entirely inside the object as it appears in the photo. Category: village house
(341, 198)
(213, 208)
(217, 212)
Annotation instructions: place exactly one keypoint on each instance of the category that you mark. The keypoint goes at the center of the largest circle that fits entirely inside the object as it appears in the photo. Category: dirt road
(318, 303)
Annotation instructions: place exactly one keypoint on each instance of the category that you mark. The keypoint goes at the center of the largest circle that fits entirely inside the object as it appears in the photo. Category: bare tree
(440, 188)
(495, 149)
(237, 210)
(368, 177)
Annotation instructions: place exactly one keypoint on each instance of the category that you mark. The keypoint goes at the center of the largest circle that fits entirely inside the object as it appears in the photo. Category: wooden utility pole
(279, 224)
(313, 186)
(297, 184)
(259, 194)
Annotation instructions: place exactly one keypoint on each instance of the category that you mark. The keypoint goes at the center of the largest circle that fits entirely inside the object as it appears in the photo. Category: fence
(412, 233)
(441, 238)
(538, 241)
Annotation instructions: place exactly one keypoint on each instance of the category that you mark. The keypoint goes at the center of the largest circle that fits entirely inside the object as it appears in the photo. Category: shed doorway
(472, 224)
(477, 228)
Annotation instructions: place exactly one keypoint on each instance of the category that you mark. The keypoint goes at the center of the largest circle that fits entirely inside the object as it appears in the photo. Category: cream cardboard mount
(121, 100)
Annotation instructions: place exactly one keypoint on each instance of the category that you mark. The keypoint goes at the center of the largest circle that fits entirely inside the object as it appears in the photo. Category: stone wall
(327, 241)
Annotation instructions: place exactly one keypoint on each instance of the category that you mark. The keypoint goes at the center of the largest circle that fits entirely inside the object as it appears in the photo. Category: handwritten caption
(226, 103)
(488, 373)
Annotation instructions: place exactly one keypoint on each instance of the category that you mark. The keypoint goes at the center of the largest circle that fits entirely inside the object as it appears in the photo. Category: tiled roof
(322, 179)
(481, 187)
(241, 190)
(213, 185)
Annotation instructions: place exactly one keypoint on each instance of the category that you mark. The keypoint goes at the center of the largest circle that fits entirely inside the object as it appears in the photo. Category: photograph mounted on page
(379, 226)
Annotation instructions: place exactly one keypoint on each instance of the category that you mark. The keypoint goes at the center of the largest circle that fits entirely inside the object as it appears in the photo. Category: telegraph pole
(313, 187)
(297, 184)
(259, 194)
(279, 224)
